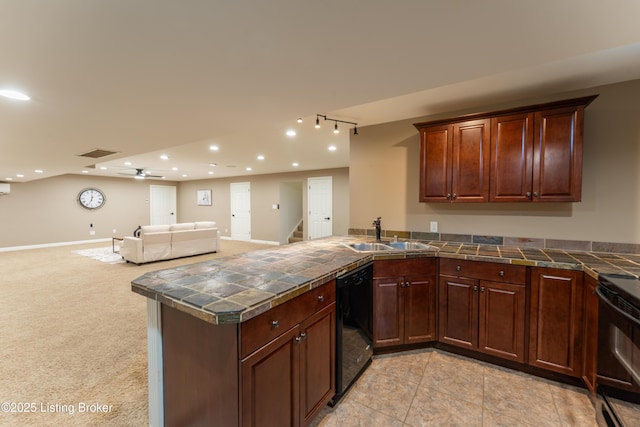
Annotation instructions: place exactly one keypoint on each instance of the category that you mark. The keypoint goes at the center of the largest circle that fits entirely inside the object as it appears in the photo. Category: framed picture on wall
(204, 197)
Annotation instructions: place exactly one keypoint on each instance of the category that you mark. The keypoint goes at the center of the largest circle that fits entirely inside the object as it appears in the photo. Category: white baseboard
(264, 242)
(51, 245)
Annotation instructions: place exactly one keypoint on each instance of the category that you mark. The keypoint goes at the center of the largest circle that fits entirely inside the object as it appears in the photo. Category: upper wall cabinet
(525, 154)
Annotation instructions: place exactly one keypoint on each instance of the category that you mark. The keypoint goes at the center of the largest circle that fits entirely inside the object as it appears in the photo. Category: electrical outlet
(434, 226)
(114, 231)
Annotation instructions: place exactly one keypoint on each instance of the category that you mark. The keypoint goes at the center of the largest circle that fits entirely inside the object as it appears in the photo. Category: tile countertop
(238, 287)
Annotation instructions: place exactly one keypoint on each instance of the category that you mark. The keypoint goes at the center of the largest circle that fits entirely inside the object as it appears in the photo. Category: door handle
(327, 218)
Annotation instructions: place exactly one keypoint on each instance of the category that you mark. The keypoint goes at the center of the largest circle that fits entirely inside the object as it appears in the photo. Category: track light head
(335, 128)
(317, 123)
(355, 130)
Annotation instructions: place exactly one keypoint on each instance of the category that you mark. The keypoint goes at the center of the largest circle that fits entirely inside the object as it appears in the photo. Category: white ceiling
(151, 77)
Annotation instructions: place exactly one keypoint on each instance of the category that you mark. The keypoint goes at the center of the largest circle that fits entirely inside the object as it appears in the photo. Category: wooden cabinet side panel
(388, 325)
(557, 167)
(471, 158)
(271, 384)
(511, 158)
(318, 361)
(458, 322)
(200, 371)
(590, 362)
(555, 339)
(435, 163)
(420, 309)
(502, 317)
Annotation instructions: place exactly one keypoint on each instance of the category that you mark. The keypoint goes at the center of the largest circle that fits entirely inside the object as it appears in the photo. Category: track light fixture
(336, 121)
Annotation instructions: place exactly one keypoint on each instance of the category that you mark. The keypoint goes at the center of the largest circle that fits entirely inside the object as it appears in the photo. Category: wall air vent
(97, 153)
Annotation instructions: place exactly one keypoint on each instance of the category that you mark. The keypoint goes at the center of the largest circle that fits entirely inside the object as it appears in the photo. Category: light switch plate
(434, 226)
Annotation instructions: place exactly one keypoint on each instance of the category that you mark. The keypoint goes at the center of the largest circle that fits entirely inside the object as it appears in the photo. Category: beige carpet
(73, 337)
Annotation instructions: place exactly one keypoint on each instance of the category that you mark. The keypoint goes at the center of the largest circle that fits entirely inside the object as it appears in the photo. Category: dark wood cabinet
(590, 354)
(288, 380)
(524, 154)
(275, 369)
(556, 320)
(404, 302)
(481, 310)
(454, 162)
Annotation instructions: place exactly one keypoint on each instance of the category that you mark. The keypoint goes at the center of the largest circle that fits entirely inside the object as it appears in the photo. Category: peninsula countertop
(238, 287)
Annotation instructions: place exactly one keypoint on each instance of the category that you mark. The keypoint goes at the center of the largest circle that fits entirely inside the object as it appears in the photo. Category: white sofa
(159, 242)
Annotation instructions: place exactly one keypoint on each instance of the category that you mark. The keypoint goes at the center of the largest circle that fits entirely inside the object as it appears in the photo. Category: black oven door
(618, 398)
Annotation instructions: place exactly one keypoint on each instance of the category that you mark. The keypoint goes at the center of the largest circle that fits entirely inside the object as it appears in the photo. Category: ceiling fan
(140, 174)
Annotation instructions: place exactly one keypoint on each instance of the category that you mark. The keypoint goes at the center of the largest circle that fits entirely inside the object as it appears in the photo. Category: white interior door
(162, 202)
(320, 201)
(240, 210)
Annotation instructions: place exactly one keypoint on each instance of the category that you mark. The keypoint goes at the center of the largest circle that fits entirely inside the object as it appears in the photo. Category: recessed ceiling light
(19, 175)
(8, 179)
(214, 148)
(38, 171)
(104, 168)
(332, 148)
(210, 172)
(299, 120)
(260, 157)
(128, 163)
(291, 132)
(294, 164)
(85, 171)
(164, 157)
(249, 169)
(174, 168)
(14, 94)
(184, 175)
(213, 164)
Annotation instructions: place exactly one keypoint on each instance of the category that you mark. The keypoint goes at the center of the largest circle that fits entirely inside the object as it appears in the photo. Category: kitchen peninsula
(232, 341)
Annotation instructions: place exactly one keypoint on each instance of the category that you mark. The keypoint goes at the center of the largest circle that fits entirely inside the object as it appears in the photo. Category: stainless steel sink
(370, 247)
(409, 246)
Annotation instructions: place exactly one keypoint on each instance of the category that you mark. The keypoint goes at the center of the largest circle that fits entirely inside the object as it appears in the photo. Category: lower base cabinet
(274, 370)
(556, 320)
(404, 302)
(480, 310)
(287, 381)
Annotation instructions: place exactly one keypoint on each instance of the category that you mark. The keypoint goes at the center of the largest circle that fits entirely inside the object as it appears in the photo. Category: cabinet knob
(448, 196)
(536, 194)
(301, 338)
(320, 298)
(275, 324)
(458, 268)
(482, 289)
(501, 274)
(454, 196)
(407, 284)
(402, 284)
(528, 194)
(475, 289)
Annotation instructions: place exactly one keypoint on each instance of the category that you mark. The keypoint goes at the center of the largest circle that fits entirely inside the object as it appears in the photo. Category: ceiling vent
(97, 153)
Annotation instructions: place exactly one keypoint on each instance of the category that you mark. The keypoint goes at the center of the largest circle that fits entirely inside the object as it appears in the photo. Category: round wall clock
(91, 198)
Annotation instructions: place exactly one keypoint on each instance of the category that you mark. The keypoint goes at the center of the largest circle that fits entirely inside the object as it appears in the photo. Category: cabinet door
(555, 337)
(317, 361)
(435, 163)
(511, 158)
(557, 155)
(502, 313)
(458, 312)
(470, 165)
(388, 308)
(419, 309)
(270, 383)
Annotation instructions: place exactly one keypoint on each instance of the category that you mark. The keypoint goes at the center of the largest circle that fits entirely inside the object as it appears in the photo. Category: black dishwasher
(354, 323)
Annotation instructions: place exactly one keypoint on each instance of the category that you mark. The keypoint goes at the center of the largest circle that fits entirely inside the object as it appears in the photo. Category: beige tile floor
(434, 388)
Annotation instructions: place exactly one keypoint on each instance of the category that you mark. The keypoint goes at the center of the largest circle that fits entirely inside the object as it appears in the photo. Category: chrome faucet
(376, 224)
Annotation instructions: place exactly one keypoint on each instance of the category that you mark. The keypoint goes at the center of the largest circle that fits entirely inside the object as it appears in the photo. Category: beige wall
(265, 192)
(384, 178)
(46, 211)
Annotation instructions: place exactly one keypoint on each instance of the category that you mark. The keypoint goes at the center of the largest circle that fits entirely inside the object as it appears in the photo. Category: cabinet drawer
(404, 267)
(484, 270)
(260, 330)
